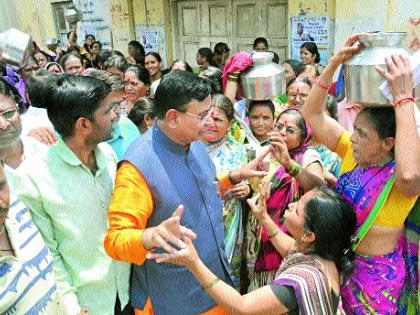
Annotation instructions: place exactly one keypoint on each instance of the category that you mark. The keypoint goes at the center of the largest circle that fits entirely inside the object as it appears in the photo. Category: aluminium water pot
(264, 79)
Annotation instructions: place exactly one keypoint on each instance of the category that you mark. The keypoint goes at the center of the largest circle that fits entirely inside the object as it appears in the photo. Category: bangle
(231, 179)
(404, 99)
(320, 85)
(210, 284)
(296, 169)
(274, 234)
(233, 78)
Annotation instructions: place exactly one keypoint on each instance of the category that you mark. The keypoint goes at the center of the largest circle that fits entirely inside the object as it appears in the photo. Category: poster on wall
(96, 17)
(310, 29)
(153, 39)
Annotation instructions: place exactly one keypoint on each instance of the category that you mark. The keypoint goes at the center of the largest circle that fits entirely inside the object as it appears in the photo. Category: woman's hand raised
(350, 48)
(399, 76)
(260, 209)
(183, 257)
(279, 149)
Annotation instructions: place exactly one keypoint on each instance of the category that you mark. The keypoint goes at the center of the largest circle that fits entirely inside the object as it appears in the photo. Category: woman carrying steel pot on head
(376, 179)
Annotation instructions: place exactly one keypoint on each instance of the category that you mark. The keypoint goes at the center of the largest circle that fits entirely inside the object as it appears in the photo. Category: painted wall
(8, 15)
(155, 13)
(122, 22)
(312, 7)
(35, 17)
(375, 15)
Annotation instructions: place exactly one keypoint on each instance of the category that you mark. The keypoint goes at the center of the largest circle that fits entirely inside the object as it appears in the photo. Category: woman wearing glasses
(300, 170)
(297, 91)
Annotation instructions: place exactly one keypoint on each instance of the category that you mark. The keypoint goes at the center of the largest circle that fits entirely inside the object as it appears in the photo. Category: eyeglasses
(289, 130)
(202, 116)
(10, 113)
(294, 95)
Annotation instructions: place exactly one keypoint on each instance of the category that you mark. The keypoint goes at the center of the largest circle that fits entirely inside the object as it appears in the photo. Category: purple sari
(377, 281)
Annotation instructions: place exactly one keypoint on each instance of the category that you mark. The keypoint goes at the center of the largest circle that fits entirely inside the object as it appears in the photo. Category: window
(62, 27)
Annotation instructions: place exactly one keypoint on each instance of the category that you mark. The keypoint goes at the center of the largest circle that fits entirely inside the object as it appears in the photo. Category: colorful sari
(376, 282)
(306, 276)
(228, 155)
(409, 301)
(284, 190)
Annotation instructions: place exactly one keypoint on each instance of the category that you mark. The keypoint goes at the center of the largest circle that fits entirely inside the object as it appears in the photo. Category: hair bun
(40, 88)
(345, 263)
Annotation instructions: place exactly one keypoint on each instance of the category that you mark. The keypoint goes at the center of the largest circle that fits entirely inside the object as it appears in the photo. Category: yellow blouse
(397, 206)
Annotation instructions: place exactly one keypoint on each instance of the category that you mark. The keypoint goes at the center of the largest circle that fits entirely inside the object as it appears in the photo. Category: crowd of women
(336, 212)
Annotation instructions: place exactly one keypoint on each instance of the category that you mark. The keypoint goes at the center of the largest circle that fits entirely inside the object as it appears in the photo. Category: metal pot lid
(383, 39)
(262, 57)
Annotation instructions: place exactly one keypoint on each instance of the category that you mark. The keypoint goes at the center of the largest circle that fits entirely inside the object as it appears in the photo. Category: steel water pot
(361, 80)
(14, 46)
(73, 15)
(264, 79)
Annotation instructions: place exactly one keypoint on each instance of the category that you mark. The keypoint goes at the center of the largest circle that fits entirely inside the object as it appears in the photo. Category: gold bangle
(274, 234)
(212, 283)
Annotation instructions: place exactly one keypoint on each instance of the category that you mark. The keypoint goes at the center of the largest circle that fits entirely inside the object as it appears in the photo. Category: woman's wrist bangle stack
(210, 284)
(234, 77)
(274, 234)
(320, 85)
(402, 100)
(296, 169)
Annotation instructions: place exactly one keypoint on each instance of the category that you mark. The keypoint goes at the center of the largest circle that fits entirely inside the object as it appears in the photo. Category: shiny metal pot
(361, 80)
(73, 15)
(264, 79)
(14, 45)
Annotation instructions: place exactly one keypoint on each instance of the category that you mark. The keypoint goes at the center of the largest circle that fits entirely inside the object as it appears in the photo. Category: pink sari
(377, 281)
(284, 190)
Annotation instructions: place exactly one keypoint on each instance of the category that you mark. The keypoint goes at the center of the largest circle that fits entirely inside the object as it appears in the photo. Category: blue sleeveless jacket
(176, 176)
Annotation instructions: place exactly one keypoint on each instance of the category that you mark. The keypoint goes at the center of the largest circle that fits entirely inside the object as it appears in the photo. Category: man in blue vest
(166, 168)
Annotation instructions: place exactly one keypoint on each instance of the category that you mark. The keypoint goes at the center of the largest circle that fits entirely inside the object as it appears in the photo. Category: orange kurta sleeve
(130, 208)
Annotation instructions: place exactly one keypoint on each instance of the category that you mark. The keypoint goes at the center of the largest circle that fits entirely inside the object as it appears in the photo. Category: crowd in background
(303, 203)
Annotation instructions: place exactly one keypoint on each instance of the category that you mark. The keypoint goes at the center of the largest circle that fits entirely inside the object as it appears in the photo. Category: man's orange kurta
(130, 208)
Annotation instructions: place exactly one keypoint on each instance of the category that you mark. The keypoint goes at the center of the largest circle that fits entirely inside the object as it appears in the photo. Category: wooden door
(200, 24)
(235, 22)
